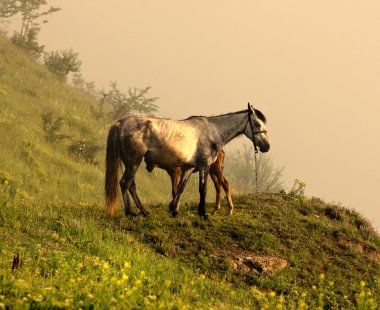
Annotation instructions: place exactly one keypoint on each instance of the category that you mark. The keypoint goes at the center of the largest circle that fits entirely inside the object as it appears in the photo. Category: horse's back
(163, 141)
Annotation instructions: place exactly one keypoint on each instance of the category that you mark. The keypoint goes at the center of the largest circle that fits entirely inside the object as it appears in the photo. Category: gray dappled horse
(192, 144)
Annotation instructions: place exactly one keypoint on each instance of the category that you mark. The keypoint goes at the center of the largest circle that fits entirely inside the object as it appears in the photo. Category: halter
(253, 131)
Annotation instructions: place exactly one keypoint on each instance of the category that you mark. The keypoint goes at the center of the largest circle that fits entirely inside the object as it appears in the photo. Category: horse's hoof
(174, 213)
(205, 217)
(145, 213)
(132, 214)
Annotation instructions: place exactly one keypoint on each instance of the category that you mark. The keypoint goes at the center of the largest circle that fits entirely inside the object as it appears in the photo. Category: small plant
(8, 187)
(85, 150)
(52, 126)
(334, 212)
(98, 110)
(298, 189)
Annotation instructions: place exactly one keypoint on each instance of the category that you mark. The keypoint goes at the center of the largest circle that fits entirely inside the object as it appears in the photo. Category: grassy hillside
(59, 250)
(284, 252)
(39, 168)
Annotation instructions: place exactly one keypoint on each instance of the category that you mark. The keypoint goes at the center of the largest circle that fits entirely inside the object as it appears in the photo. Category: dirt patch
(249, 262)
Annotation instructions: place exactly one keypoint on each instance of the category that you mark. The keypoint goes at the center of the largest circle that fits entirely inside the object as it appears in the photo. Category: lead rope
(256, 175)
(256, 151)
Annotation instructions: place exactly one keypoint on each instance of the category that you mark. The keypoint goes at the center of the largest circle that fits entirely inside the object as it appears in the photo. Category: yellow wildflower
(138, 282)
(127, 265)
(322, 276)
(202, 276)
(272, 294)
(106, 266)
(125, 277)
(168, 283)
(362, 283)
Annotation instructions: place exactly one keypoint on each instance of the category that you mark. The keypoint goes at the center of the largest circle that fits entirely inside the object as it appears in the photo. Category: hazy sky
(313, 67)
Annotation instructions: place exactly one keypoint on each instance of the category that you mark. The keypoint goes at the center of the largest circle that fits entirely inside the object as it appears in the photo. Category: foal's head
(256, 130)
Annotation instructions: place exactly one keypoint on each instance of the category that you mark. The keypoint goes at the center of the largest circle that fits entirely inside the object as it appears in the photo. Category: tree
(79, 82)
(240, 167)
(31, 14)
(135, 101)
(61, 63)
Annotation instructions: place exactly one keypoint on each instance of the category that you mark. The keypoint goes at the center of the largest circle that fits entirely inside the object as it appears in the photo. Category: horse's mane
(259, 114)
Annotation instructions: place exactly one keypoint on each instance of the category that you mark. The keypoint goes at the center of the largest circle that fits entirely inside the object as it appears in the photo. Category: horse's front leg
(173, 207)
(203, 174)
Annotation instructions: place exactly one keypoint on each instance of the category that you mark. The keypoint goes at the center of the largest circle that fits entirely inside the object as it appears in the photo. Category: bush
(52, 126)
(85, 150)
(61, 63)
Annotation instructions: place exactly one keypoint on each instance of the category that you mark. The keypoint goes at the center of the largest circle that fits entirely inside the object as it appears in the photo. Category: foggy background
(312, 67)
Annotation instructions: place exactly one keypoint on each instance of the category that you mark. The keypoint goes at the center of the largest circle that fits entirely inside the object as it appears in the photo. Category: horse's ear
(250, 109)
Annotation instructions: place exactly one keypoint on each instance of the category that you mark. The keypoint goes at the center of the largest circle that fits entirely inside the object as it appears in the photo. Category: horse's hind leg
(125, 183)
(132, 190)
(173, 207)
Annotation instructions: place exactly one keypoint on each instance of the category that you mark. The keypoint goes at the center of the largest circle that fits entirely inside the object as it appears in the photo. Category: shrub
(61, 63)
(85, 150)
(52, 126)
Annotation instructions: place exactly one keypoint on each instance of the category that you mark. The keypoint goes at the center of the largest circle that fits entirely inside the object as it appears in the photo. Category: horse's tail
(112, 169)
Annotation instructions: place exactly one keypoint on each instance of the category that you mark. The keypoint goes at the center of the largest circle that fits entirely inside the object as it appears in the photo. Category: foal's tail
(112, 169)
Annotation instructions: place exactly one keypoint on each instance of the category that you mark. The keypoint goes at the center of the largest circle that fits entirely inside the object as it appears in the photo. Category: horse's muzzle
(264, 148)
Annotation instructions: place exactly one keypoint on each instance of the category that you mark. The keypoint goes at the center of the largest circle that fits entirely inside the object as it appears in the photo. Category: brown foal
(216, 173)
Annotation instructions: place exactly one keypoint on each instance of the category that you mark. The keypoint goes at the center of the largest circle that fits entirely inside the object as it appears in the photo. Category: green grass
(73, 256)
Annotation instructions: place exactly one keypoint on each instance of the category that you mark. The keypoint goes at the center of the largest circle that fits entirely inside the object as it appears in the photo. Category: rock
(257, 264)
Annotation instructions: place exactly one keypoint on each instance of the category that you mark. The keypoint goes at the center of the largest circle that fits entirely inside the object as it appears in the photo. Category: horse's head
(255, 129)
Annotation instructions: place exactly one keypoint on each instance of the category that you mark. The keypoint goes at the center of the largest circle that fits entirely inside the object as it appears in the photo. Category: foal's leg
(132, 190)
(226, 187)
(203, 174)
(217, 190)
(173, 207)
(175, 176)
